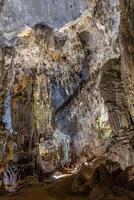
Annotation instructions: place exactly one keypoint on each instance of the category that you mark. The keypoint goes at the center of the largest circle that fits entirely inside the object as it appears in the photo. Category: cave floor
(61, 190)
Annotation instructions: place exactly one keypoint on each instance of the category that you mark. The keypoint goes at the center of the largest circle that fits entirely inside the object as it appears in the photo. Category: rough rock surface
(104, 178)
(66, 84)
(18, 13)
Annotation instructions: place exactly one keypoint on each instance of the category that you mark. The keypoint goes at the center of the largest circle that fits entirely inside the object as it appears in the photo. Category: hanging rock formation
(66, 85)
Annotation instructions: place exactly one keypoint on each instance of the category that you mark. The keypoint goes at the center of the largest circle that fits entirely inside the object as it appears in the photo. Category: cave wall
(127, 39)
(113, 92)
(67, 83)
(16, 15)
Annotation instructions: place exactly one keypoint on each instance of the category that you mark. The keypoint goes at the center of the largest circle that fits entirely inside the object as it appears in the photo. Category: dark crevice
(83, 79)
(1, 5)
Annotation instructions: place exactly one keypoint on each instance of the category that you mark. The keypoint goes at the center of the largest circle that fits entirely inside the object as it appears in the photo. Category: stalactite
(7, 116)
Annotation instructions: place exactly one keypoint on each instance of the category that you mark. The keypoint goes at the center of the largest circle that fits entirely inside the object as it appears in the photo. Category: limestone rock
(102, 179)
(66, 83)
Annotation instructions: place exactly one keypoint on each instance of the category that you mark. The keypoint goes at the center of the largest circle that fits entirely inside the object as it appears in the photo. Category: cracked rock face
(66, 86)
(17, 14)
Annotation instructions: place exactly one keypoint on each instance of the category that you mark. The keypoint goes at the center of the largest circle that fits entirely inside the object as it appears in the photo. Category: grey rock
(17, 14)
(7, 116)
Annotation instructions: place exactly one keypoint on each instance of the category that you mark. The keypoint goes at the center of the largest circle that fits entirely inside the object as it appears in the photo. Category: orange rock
(55, 56)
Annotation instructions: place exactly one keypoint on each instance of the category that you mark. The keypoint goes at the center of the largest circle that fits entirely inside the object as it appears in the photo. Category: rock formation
(66, 85)
(104, 179)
